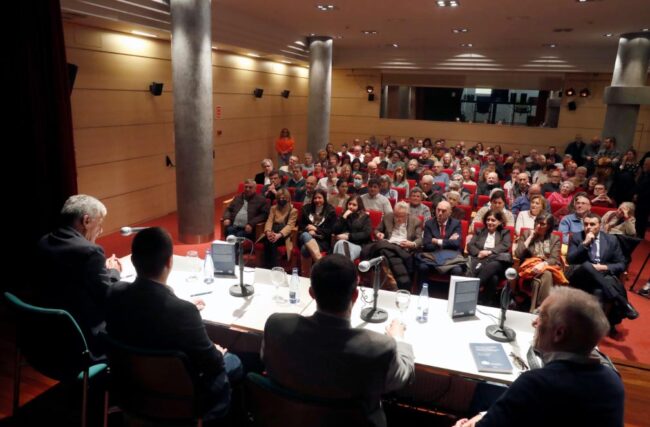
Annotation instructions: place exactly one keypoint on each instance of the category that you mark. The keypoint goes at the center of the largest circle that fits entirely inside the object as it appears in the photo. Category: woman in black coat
(315, 229)
(490, 255)
(352, 230)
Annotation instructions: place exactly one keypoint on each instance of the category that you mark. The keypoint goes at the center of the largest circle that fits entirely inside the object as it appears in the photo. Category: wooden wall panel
(138, 206)
(108, 144)
(123, 133)
(114, 178)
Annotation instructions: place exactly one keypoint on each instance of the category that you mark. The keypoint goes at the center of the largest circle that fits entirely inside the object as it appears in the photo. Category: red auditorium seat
(401, 192)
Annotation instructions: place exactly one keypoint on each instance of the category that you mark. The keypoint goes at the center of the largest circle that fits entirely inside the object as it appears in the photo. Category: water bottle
(294, 297)
(423, 304)
(208, 268)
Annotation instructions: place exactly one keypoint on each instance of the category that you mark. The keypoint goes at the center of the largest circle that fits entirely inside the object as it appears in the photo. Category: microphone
(127, 231)
(234, 239)
(242, 289)
(367, 265)
(500, 332)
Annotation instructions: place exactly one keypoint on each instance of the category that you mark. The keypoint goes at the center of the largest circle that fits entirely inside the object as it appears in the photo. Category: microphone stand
(500, 332)
(374, 314)
(242, 289)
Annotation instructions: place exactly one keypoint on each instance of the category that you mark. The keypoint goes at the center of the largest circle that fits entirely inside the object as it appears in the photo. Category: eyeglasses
(519, 362)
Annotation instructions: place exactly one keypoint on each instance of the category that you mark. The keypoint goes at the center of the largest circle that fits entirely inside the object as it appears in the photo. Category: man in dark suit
(304, 194)
(264, 177)
(245, 211)
(596, 260)
(572, 388)
(79, 275)
(147, 314)
(324, 356)
(575, 150)
(442, 234)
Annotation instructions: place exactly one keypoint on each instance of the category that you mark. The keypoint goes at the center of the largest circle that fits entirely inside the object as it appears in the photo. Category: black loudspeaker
(572, 106)
(371, 97)
(285, 93)
(72, 75)
(258, 92)
(513, 98)
(156, 89)
(522, 98)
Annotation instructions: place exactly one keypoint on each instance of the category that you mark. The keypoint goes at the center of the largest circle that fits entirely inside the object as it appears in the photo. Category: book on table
(490, 357)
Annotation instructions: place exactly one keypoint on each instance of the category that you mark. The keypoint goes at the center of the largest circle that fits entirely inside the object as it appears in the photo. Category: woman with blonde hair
(526, 219)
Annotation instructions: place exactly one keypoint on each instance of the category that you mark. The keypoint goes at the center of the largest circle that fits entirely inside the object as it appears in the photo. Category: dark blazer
(258, 208)
(300, 194)
(323, 356)
(147, 314)
(484, 188)
(432, 230)
(358, 226)
(502, 242)
(77, 277)
(555, 247)
(413, 228)
(259, 178)
(610, 252)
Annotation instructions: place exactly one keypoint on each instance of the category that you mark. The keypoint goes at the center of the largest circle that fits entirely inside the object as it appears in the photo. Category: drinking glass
(195, 265)
(402, 300)
(278, 277)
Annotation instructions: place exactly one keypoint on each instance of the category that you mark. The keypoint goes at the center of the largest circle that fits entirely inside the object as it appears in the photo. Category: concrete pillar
(628, 90)
(320, 91)
(192, 77)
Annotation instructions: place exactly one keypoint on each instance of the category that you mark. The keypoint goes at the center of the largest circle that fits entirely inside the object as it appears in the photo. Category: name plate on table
(463, 296)
(223, 258)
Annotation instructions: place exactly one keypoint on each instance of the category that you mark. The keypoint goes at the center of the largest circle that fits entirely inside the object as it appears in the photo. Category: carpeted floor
(632, 344)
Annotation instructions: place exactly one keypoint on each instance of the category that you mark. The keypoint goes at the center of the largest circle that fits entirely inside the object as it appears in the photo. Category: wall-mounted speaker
(572, 106)
(285, 93)
(371, 97)
(258, 92)
(156, 89)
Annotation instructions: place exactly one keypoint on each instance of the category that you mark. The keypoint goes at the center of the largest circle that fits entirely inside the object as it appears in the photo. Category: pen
(201, 293)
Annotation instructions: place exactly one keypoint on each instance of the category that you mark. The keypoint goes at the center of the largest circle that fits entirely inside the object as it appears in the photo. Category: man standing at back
(572, 389)
(324, 356)
(147, 314)
(79, 275)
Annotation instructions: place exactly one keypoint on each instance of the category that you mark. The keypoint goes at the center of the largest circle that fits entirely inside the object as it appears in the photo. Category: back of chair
(50, 340)
(401, 192)
(375, 218)
(273, 405)
(153, 384)
(601, 210)
(482, 200)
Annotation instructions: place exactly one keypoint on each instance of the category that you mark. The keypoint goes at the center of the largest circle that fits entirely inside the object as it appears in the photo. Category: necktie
(442, 231)
(593, 252)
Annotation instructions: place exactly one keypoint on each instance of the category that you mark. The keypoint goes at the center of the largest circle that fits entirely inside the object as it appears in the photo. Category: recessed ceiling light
(608, 35)
(459, 30)
(395, 45)
(142, 33)
(312, 34)
(325, 7)
(466, 45)
(447, 3)
(551, 45)
(645, 29)
(369, 32)
(337, 37)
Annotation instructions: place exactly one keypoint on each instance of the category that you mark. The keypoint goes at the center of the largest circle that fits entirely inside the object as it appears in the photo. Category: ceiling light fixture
(551, 45)
(447, 3)
(585, 93)
(300, 43)
(466, 45)
(370, 89)
(325, 7)
(645, 29)
(570, 92)
(395, 45)
(608, 35)
(369, 32)
(459, 30)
